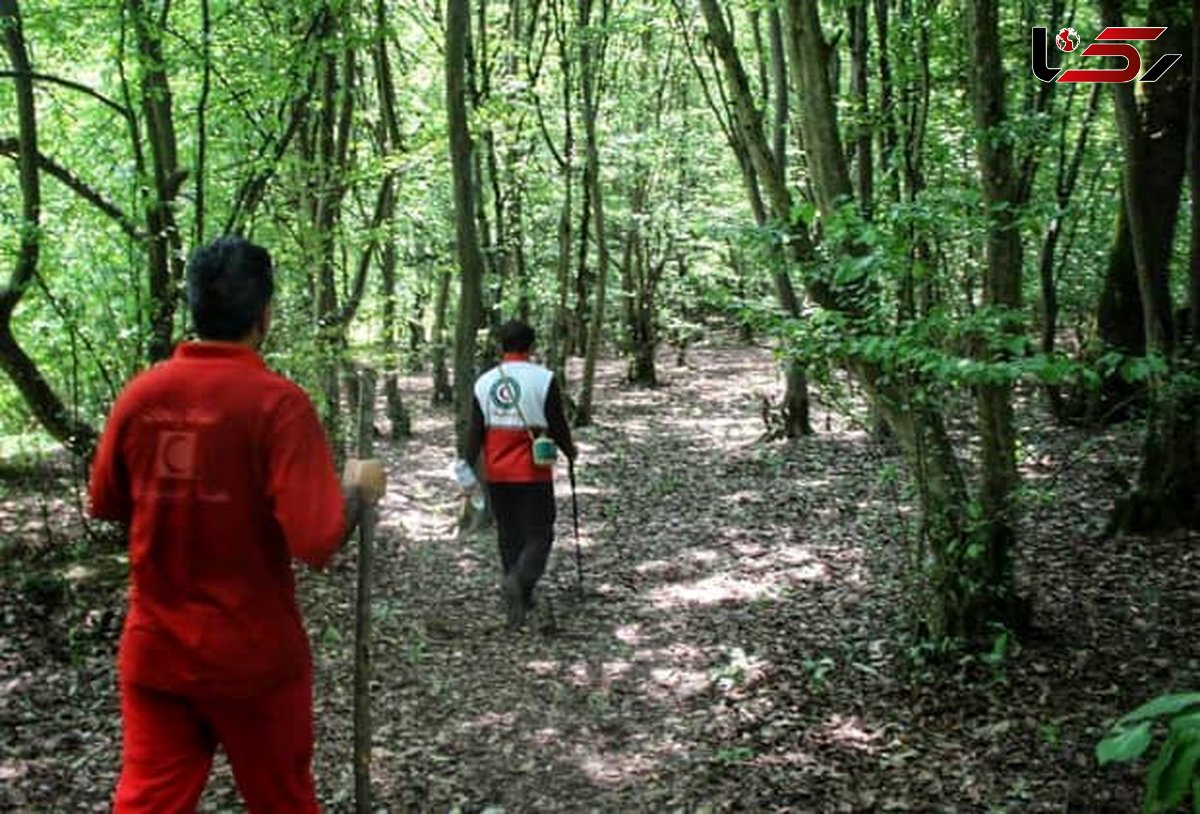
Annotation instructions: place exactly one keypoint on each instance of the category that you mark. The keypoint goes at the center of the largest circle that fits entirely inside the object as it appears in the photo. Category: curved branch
(11, 147)
(383, 205)
(41, 399)
(73, 85)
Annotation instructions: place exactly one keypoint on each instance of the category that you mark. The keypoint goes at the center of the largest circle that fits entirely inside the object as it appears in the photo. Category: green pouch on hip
(545, 453)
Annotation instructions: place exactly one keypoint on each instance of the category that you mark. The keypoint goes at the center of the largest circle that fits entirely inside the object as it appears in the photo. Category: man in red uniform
(514, 402)
(222, 471)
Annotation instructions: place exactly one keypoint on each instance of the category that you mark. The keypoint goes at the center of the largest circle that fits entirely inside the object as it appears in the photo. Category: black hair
(515, 336)
(229, 284)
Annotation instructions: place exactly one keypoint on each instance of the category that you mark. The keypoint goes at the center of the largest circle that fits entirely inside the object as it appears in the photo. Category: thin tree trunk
(1066, 181)
(164, 250)
(443, 392)
(797, 421)
(470, 259)
(887, 126)
(860, 87)
(1002, 290)
(764, 169)
(398, 417)
(589, 74)
(202, 122)
(560, 344)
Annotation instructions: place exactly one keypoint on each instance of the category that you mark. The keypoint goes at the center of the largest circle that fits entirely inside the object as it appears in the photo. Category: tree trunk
(887, 124)
(397, 413)
(764, 171)
(323, 147)
(164, 247)
(1135, 306)
(1165, 496)
(1066, 181)
(859, 83)
(45, 405)
(808, 58)
(589, 74)
(470, 258)
(560, 343)
(794, 411)
(443, 393)
(1002, 292)
(390, 137)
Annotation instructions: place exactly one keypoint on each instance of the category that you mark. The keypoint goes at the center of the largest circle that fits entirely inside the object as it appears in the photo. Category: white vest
(509, 384)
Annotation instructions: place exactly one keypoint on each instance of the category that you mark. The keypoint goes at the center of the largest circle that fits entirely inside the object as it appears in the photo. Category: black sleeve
(474, 434)
(556, 421)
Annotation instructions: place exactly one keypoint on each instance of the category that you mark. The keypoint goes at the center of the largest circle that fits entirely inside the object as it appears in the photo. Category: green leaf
(1170, 775)
(1187, 726)
(1124, 745)
(1154, 776)
(1177, 777)
(1162, 705)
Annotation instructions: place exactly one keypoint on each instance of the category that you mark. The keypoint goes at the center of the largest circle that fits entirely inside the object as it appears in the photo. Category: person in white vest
(517, 408)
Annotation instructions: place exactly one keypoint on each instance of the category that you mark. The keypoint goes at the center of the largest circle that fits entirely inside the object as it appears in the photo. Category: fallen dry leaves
(737, 646)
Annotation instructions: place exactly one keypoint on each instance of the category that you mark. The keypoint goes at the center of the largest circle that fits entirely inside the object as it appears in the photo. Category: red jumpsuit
(222, 470)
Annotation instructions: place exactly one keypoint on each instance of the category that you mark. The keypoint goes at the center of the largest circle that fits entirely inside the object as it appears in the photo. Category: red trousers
(169, 741)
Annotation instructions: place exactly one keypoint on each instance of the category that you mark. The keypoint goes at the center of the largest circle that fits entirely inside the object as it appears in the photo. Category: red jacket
(222, 470)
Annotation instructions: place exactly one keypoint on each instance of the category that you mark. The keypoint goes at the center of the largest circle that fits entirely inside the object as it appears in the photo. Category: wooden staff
(362, 610)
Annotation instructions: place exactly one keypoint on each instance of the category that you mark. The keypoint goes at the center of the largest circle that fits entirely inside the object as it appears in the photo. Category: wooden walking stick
(362, 609)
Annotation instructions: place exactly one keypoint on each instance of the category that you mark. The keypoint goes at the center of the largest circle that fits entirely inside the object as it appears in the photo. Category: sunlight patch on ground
(791, 758)
(467, 563)
(850, 731)
(631, 634)
(638, 429)
(420, 502)
(490, 720)
(713, 590)
(615, 769)
(703, 556)
(547, 736)
(582, 674)
(542, 667)
(725, 433)
(684, 673)
(718, 589)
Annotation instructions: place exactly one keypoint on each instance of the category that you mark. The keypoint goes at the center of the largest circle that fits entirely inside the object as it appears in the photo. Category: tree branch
(11, 147)
(73, 85)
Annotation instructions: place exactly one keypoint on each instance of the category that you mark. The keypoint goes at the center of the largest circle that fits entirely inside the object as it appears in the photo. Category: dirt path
(736, 647)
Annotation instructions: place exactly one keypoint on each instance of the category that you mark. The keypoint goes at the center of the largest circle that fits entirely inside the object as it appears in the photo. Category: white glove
(465, 475)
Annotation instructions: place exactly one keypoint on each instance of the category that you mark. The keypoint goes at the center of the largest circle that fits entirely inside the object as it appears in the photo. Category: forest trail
(737, 646)
(644, 694)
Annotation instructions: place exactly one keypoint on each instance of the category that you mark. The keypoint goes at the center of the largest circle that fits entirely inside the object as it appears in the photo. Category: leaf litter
(738, 644)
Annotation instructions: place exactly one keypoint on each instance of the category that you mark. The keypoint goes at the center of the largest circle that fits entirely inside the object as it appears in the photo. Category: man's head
(515, 337)
(229, 288)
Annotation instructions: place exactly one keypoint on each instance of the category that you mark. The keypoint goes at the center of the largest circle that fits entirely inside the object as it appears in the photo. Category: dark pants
(525, 527)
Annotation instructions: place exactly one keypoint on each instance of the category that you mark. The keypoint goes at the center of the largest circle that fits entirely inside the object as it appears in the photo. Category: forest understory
(739, 643)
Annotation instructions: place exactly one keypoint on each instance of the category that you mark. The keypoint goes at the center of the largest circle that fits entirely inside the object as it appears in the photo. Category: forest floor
(738, 644)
